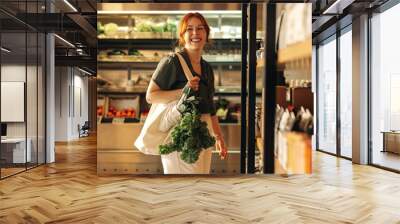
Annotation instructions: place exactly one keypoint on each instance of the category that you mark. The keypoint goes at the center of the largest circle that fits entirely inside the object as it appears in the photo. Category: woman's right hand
(194, 83)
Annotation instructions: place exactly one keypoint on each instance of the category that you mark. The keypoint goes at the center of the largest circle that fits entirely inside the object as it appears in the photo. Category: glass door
(346, 93)
(326, 96)
(13, 92)
(22, 89)
(385, 89)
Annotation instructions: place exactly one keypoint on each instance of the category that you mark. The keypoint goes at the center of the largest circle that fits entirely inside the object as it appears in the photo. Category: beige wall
(71, 102)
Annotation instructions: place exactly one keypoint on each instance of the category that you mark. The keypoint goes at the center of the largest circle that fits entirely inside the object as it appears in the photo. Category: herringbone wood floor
(69, 191)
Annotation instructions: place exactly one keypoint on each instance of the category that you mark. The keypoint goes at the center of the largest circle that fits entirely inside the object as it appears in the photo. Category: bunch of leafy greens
(191, 135)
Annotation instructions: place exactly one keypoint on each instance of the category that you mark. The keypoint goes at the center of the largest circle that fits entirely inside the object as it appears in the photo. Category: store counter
(116, 153)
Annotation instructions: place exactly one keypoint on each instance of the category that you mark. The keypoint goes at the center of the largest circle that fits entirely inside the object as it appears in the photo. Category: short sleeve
(165, 74)
(211, 84)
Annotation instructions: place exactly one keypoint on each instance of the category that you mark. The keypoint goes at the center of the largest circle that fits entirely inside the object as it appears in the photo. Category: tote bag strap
(185, 67)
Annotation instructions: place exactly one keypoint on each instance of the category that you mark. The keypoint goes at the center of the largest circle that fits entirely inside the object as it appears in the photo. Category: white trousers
(173, 164)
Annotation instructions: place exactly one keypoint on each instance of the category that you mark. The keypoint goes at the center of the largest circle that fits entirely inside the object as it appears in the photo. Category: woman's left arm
(219, 139)
(219, 143)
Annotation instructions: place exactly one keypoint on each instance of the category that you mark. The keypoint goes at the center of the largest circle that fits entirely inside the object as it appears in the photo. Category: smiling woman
(169, 79)
(193, 24)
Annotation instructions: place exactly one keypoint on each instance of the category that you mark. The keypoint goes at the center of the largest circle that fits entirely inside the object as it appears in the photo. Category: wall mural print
(169, 89)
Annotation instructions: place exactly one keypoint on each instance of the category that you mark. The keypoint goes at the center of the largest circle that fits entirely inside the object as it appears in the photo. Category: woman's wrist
(218, 137)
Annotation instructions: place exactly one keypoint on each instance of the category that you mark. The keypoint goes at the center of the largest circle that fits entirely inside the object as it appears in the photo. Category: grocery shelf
(148, 64)
(125, 64)
(206, 13)
(231, 91)
(143, 92)
(159, 44)
(137, 91)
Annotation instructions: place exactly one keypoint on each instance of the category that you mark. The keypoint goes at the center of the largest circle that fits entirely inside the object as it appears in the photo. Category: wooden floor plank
(69, 191)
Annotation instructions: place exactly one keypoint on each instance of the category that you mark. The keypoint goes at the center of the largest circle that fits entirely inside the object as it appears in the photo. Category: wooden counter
(117, 136)
(293, 154)
(116, 153)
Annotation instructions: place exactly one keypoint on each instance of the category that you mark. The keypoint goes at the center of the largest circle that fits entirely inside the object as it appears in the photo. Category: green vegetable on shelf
(156, 28)
(100, 28)
(110, 29)
(159, 28)
(222, 113)
(134, 52)
(170, 27)
(144, 27)
(222, 103)
(116, 52)
(191, 135)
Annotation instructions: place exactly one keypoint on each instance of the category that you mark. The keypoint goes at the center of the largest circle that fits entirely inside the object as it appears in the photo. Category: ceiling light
(177, 12)
(84, 71)
(337, 7)
(70, 5)
(5, 50)
(65, 41)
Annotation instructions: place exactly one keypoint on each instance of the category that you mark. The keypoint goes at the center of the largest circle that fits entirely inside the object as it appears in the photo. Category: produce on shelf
(100, 28)
(116, 52)
(191, 135)
(156, 27)
(144, 27)
(134, 52)
(170, 27)
(126, 112)
(100, 110)
(222, 109)
(143, 115)
(222, 113)
(110, 29)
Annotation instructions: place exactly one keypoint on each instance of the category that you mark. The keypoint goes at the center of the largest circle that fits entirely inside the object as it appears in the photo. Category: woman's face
(195, 36)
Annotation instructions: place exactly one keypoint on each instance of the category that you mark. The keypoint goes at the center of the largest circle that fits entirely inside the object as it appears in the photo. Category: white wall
(71, 102)
(61, 103)
(50, 96)
(14, 73)
(80, 108)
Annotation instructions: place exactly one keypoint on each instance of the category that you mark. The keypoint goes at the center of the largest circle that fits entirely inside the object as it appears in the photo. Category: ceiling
(331, 15)
(72, 20)
(75, 20)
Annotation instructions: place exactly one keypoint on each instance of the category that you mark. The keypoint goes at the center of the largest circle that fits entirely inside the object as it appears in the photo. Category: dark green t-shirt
(169, 75)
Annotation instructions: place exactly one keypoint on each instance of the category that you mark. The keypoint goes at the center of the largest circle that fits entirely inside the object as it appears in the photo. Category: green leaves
(191, 135)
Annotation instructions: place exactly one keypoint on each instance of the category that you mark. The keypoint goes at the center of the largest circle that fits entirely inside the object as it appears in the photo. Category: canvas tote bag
(155, 130)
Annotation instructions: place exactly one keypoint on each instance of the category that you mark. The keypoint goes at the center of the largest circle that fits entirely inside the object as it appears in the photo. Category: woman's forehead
(194, 21)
